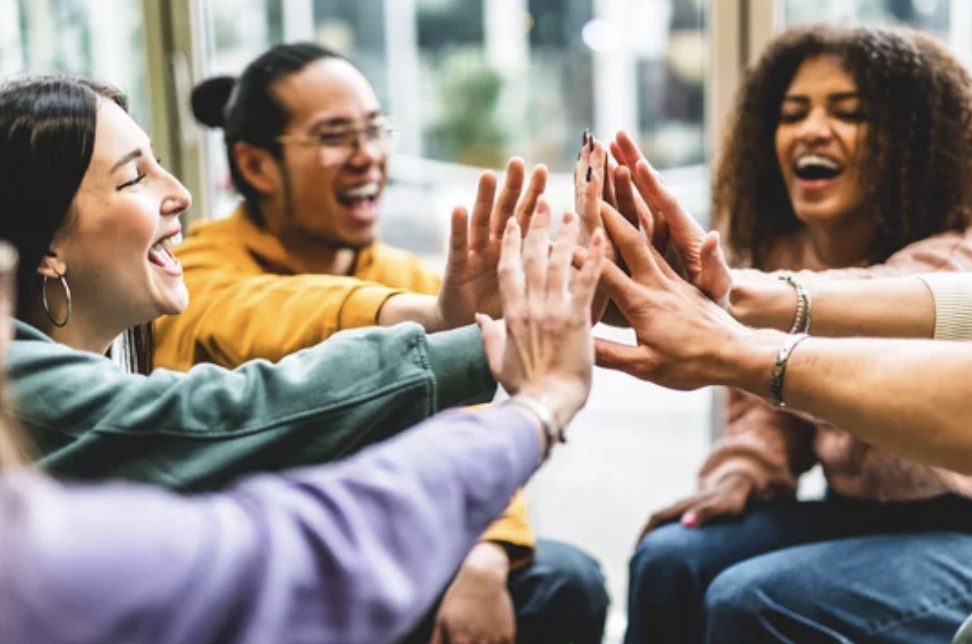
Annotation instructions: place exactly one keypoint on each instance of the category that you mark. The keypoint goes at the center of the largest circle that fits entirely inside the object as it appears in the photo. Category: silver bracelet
(802, 319)
(552, 430)
(779, 368)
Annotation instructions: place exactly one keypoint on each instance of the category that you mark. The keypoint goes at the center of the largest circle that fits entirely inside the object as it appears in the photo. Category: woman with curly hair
(849, 152)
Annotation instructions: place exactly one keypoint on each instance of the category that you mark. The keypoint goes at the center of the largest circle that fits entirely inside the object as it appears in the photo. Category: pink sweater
(775, 447)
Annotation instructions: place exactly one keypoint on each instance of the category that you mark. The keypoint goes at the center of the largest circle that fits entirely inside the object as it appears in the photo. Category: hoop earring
(47, 306)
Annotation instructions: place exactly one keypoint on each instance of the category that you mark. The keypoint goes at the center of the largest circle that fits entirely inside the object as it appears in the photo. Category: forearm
(318, 552)
(905, 395)
(892, 307)
(412, 307)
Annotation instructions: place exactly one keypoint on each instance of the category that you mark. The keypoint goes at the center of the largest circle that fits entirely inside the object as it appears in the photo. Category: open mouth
(363, 195)
(815, 167)
(161, 255)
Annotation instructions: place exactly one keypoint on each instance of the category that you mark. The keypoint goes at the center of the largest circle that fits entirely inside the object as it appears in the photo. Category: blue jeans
(559, 598)
(823, 571)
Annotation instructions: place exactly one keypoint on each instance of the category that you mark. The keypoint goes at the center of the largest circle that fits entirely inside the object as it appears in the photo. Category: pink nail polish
(689, 520)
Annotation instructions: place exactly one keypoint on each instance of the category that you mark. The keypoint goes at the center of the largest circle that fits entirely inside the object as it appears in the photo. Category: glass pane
(63, 35)
(527, 76)
(931, 15)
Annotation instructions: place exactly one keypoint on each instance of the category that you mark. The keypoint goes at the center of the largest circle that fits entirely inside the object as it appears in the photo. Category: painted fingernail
(689, 520)
(578, 156)
(584, 136)
(589, 169)
(590, 142)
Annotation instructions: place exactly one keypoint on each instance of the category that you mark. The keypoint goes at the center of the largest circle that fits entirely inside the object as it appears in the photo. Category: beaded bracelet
(802, 319)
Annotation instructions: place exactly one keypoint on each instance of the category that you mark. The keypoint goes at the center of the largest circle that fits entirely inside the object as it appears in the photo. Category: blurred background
(470, 83)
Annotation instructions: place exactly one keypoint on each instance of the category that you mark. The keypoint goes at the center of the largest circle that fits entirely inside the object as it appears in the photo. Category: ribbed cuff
(458, 362)
(363, 305)
(952, 293)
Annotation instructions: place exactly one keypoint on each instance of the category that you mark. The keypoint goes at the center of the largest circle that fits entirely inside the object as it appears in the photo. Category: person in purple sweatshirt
(351, 552)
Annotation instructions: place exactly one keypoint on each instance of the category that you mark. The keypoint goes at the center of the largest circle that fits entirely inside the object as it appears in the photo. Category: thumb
(438, 636)
(617, 356)
(716, 279)
(494, 341)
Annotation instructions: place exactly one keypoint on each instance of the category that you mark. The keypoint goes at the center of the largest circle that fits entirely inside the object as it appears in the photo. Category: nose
(365, 151)
(815, 127)
(177, 199)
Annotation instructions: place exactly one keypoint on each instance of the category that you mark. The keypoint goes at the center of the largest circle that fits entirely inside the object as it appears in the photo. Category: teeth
(171, 242)
(813, 159)
(366, 191)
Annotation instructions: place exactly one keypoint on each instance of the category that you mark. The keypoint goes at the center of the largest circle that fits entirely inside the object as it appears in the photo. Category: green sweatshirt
(88, 419)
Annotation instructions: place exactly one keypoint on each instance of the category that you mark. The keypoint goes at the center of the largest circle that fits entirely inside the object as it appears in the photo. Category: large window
(100, 39)
(473, 82)
(932, 15)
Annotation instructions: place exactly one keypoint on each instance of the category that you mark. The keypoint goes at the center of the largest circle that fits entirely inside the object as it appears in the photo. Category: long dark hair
(47, 135)
(249, 110)
(918, 171)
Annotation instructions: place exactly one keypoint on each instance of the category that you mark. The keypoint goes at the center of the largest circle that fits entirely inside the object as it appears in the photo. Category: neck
(841, 244)
(307, 254)
(78, 333)
(314, 256)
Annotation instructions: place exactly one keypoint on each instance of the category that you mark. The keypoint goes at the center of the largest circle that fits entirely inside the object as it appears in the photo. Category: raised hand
(700, 252)
(680, 333)
(545, 347)
(470, 284)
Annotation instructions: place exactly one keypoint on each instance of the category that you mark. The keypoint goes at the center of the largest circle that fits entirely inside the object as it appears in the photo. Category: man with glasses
(308, 146)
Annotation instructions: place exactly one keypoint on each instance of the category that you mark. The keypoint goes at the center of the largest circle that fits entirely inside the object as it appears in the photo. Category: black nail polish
(590, 142)
(578, 156)
(589, 169)
(585, 136)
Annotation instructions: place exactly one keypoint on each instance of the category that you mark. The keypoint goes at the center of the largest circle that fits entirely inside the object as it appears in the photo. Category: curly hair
(917, 174)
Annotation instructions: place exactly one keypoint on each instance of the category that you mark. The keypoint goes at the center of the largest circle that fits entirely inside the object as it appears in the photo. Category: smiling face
(820, 142)
(335, 203)
(114, 247)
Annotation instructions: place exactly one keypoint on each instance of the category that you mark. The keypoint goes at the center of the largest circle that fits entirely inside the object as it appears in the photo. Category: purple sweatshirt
(354, 552)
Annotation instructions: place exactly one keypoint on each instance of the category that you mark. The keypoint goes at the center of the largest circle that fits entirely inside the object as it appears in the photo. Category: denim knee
(665, 558)
(560, 596)
(738, 608)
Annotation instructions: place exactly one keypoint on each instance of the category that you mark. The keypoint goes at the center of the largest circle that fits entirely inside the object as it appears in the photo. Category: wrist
(746, 361)
(762, 302)
(488, 558)
(412, 307)
(561, 401)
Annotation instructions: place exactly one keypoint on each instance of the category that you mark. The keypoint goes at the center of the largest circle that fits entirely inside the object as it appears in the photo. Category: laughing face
(820, 142)
(334, 191)
(115, 246)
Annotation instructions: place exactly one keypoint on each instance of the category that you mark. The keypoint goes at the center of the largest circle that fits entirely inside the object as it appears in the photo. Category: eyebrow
(343, 120)
(832, 98)
(131, 156)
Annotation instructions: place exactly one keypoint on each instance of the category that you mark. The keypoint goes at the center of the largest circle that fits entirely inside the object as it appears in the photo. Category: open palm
(470, 285)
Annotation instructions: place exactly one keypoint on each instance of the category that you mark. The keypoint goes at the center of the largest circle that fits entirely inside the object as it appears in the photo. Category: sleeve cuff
(458, 362)
(952, 293)
(363, 305)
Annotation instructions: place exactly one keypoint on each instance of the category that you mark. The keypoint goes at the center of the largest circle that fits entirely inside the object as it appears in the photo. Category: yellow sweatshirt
(248, 301)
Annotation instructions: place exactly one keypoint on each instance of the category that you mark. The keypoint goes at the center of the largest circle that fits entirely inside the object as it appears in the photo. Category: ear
(260, 169)
(52, 266)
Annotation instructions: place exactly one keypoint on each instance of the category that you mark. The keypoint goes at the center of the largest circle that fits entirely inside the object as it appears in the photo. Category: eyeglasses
(336, 147)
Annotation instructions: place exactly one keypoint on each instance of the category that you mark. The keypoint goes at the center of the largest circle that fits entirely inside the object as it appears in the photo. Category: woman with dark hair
(93, 216)
(352, 552)
(850, 153)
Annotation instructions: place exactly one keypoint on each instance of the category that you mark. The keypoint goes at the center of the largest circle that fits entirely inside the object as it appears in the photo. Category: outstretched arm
(910, 396)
